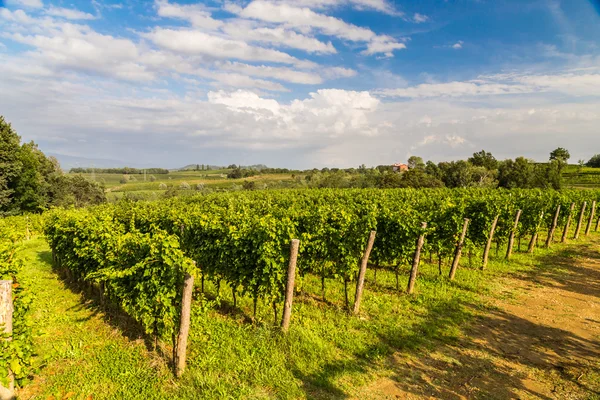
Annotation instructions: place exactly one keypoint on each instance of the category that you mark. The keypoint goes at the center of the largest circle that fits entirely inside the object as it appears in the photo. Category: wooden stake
(534, 237)
(550, 237)
(589, 224)
(458, 250)
(568, 224)
(597, 224)
(488, 245)
(580, 221)
(6, 319)
(362, 272)
(511, 239)
(416, 259)
(184, 327)
(289, 288)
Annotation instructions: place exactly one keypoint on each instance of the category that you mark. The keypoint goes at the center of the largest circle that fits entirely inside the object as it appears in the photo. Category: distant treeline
(124, 171)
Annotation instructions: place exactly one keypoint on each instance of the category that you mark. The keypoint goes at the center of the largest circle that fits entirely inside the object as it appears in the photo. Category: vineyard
(137, 255)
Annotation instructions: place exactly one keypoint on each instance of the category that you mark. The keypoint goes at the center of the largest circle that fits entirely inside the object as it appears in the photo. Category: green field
(582, 177)
(143, 187)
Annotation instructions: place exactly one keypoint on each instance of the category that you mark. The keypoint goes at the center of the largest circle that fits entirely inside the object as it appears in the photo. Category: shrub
(200, 186)
(152, 178)
(184, 186)
(594, 162)
(162, 186)
(124, 179)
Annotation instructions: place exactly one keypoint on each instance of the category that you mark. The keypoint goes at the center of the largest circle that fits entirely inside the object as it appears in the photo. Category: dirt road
(541, 341)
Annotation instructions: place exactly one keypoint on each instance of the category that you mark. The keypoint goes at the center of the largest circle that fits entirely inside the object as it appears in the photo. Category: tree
(415, 162)
(560, 154)
(456, 173)
(10, 163)
(516, 174)
(594, 162)
(484, 159)
(418, 178)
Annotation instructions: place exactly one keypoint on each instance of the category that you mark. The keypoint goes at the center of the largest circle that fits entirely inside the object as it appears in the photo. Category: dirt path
(541, 342)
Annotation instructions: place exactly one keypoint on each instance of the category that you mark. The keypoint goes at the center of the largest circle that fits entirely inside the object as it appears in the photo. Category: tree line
(32, 182)
(124, 171)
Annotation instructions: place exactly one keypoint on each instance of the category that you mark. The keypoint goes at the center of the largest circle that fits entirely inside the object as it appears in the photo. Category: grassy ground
(328, 354)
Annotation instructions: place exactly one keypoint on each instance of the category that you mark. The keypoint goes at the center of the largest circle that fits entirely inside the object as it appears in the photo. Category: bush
(184, 186)
(594, 162)
(152, 178)
(200, 186)
(124, 179)
(162, 186)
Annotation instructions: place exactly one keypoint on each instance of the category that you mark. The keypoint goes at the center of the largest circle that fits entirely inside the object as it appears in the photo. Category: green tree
(516, 174)
(484, 159)
(560, 154)
(10, 163)
(418, 178)
(415, 162)
(594, 162)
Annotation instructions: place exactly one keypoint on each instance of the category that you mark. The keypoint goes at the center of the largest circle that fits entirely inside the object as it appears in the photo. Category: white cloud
(420, 18)
(243, 30)
(383, 6)
(196, 14)
(191, 42)
(279, 73)
(458, 45)
(305, 18)
(69, 13)
(26, 3)
(383, 44)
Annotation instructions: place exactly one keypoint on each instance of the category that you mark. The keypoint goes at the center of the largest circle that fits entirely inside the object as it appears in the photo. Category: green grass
(328, 353)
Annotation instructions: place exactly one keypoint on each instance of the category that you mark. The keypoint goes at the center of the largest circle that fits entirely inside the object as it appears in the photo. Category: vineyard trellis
(139, 254)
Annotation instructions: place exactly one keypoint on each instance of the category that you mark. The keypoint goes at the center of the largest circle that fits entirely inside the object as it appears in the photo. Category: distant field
(582, 177)
(214, 179)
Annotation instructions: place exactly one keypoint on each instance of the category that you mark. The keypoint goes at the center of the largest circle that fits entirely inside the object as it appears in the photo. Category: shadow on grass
(480, 364)
(101, 306)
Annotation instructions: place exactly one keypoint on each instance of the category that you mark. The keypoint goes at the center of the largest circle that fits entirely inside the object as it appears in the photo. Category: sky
(301, 83)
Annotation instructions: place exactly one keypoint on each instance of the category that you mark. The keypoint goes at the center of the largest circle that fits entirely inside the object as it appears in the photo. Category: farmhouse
(400, 167)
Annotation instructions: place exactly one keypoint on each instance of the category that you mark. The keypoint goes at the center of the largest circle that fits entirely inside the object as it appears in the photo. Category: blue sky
(301, 83)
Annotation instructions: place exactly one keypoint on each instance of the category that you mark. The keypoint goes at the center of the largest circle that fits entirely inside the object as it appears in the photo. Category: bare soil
(541, 341)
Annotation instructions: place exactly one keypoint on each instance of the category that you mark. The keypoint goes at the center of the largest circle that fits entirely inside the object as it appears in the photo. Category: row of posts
(6, 306)
(295, 243)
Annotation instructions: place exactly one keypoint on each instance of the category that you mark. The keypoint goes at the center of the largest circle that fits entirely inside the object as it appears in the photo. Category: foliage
(594, 162)
(32, 182)
(15, 354)
(561, 155)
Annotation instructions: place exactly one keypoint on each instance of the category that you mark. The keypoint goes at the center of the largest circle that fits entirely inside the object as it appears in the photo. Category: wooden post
(534, 237)
(488, 245)
(458, 250)
(597, 225)
(511, 238)
(6, 319)
(550, 237)
(289, 288)
(184, 327)
(580, 221)
(416, 259)
(589, 224)
(568, 224)
(363, 271)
